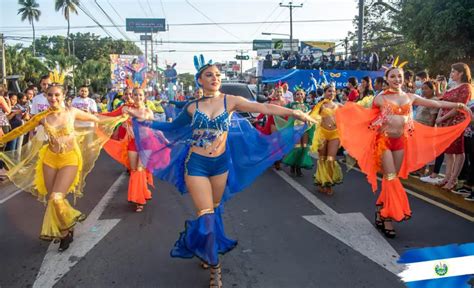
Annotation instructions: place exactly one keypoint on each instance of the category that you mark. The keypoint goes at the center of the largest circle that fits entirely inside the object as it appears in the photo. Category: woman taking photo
(386, 139)
(213, 157)
(57, 164)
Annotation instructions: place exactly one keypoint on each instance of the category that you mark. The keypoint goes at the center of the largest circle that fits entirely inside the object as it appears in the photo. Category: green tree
(67, 7)
(187, 79)
(442, 30)
(31, 12)
(20, 61)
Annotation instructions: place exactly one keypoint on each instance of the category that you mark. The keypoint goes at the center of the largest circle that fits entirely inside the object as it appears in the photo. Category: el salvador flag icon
(450, 266)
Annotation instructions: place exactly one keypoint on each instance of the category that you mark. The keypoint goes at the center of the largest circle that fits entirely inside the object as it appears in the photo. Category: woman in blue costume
(213, 156)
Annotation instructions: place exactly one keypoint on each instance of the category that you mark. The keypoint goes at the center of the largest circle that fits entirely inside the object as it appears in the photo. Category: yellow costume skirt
(321, 136)
(59, 216)
(328, 173)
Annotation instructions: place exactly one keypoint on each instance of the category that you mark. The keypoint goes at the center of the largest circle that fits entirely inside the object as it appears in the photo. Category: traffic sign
(262, 44)
(143, 25)
(145, 37)
(242, 57)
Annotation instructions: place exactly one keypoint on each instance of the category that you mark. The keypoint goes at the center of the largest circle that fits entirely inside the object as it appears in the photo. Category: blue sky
(177, 12)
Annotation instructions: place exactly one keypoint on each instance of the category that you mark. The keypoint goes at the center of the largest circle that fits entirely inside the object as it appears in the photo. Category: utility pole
(241, 63)
(360, 30)
(146, 48)
(346, 46)
(291, 6)
(152, 55)
(2, 56)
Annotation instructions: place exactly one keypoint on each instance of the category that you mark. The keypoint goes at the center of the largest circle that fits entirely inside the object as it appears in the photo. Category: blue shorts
(199, 165)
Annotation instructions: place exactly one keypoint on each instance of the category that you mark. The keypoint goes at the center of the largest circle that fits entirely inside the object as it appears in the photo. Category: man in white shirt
(86, 104)
(39, 103)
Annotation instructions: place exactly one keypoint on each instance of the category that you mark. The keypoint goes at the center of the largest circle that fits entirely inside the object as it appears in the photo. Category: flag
(442, 266)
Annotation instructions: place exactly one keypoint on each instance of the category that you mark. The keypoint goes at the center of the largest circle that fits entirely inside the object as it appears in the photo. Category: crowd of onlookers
(365, 89)
(17, 108)
(326, 61)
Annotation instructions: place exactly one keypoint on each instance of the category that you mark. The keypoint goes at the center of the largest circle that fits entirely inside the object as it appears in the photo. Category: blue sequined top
(207, 130)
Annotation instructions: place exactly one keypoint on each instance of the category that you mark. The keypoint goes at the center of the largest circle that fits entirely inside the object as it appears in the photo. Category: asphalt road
(277, 247)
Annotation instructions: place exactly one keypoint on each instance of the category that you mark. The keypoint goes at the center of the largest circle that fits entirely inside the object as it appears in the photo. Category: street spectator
(374, 61)
(460, 92)
(84, 103)
(420, 78)
(378, 85)
(39, 102)
(352, 85)
(365, 88)
(408, 86)
(5, 127)
(17, 116)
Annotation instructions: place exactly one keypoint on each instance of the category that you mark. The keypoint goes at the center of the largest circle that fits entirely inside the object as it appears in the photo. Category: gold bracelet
(460, 106)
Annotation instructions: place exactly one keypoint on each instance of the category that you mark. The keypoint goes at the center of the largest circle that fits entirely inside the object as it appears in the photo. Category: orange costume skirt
(421, 146)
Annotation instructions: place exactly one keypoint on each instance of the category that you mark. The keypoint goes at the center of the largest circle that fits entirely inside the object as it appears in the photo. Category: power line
(266, 19)
(141, 6)
(87, 12)
(51, 28)
(149, 6)
(112, 21)
(212, 21)
(115, 10)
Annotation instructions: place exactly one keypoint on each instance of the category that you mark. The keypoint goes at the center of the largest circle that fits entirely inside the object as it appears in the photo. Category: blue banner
(308, 79)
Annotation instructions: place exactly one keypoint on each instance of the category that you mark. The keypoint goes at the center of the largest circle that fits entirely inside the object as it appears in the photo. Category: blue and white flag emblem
(442, 266)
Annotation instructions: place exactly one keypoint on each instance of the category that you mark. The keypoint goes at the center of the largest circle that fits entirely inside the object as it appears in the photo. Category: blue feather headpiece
(200, 65)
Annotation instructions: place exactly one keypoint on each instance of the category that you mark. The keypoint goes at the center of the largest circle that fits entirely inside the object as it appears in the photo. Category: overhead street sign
(143, 25)
(262, 44)
(145, 37)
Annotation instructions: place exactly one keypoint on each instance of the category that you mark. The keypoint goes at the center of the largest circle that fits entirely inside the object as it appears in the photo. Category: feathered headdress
(395, 63)
(57, 77)
(282, 85)
(297, 88)
(200, 65)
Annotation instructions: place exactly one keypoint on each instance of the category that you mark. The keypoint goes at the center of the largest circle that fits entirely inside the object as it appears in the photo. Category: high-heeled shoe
(216, 277)
(66, 241)
(378, 221)
(389, 233)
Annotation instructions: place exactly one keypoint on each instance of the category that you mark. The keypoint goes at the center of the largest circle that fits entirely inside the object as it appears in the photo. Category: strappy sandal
(204, 265)
(378, 221)
(139, 208)
(216, 277)
(389, 233)
(329, 191)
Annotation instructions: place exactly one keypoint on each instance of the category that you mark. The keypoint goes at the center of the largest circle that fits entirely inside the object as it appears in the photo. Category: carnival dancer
(125, 152)
(326, 142)
(58, 162)
(386, 139)
(299, 157)
(212, 158)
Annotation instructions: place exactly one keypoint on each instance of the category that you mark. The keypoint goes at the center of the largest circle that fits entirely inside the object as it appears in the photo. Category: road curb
(436, 193)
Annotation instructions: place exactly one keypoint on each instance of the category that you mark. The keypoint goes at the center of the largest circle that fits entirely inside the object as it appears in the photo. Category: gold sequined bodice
(60, 138)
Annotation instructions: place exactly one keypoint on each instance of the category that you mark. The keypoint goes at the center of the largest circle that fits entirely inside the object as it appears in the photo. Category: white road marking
(10, 196)
(353, 229)
(87, 234)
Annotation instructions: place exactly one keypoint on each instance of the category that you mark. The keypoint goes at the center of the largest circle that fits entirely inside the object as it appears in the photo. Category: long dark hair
(464, 69)
(368, 88)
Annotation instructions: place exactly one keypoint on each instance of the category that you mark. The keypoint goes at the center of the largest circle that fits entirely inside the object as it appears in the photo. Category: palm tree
(31, 12)
(67, 7)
